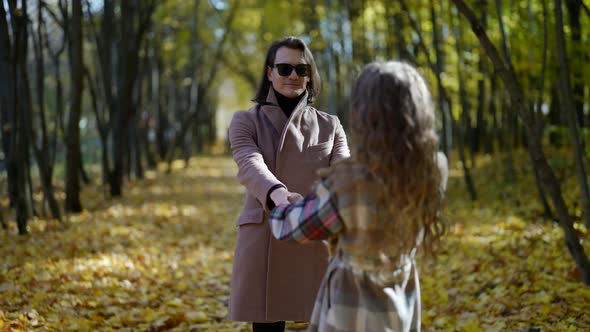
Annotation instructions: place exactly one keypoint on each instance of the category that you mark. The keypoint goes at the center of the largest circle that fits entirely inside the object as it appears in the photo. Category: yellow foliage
(160, 259)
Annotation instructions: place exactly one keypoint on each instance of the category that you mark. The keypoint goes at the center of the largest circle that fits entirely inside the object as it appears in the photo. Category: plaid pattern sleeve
(315, 217)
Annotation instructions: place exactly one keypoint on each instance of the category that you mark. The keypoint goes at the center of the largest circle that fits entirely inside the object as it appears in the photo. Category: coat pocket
(321, 147)
(319, 154)
(251, 216)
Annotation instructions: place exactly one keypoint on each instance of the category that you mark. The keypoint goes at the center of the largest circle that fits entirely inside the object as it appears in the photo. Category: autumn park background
(118, 195)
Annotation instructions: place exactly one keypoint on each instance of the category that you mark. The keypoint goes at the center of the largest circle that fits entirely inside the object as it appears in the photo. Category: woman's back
(365, 288)
(383, 206)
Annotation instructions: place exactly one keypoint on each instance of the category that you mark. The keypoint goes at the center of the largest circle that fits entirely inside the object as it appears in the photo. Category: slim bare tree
(574, 9)
(15, 108)
(443, 103)
(507, 116)
(44, 151)
(464, 128)
(568, 106)
(73, 157)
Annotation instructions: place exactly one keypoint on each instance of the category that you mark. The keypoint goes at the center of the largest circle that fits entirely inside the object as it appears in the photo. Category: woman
(278, 145)
(382, 204)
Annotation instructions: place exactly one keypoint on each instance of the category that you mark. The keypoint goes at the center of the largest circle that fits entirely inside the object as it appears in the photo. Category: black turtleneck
(288, 104)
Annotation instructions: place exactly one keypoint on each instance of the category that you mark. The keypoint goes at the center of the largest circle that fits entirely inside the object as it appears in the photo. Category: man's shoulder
(251, 111)
(245, 115)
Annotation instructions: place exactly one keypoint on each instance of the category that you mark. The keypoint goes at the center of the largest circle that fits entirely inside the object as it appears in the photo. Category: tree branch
(53, 15)
(585, 7)
(219, 51)
(424, 48)
(504, 69)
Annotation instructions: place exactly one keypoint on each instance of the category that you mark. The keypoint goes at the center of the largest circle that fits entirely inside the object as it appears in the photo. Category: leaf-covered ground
(160, 259)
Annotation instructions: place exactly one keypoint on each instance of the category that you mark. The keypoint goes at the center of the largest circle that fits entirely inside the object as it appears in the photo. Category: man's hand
(283, 196)
(294, 197)
(280, 196)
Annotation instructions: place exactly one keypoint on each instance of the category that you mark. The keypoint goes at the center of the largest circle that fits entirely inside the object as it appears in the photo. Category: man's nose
(293, 74)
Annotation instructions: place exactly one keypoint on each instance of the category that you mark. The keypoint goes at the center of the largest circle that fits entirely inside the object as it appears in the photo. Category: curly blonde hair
(395, 139)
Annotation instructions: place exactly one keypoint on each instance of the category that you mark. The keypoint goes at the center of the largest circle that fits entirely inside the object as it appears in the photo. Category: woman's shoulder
(345, 172)
(339, 166)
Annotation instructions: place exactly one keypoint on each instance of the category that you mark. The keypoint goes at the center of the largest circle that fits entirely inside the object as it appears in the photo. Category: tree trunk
(162, 122)
(7, 102)
(359, 44)
(104, 113)
(58, 118)
(437, 69)
(345, 69)
(490, 140)
(200, 108)
(465, 123)
(101, 126)
(507, 131)
(106, 63)
(73, 158)
(83, 174)
(43, 153)
(2, 222)
(135, 20)
(152, 99)
(137, 146)
(555, 116)
(568, 106)
(330, 53)
(537, 115)
(539, 159)
(125, 82)
(507, 123)
(480, 120)
(447, 121)
(22, 158)
(401, 44)
(390, 38)
(17, 109)
(574, 7)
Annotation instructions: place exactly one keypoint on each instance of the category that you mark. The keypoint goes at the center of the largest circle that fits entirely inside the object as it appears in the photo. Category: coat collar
(274, 112)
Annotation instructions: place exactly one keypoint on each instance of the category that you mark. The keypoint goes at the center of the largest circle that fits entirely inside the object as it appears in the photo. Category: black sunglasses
(285, 69)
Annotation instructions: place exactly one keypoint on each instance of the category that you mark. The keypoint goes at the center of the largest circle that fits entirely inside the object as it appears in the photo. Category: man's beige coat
(273, 280)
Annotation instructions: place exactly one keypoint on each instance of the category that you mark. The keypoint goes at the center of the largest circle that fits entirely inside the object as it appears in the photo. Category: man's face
(291, 85)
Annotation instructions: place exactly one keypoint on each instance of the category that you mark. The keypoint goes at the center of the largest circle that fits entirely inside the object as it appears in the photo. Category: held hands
(283, 196)
(294, 197)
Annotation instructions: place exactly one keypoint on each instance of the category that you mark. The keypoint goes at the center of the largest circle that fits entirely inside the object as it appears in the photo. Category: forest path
(159, 259)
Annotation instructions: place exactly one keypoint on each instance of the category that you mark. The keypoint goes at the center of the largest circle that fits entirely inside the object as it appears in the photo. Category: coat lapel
(274, 113)
(282, 125)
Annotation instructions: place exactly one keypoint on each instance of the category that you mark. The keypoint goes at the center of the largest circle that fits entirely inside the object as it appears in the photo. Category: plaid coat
(351, 297)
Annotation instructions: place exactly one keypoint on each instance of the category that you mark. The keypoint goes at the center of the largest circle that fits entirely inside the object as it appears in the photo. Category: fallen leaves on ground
(159, 259)
(502, 266)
